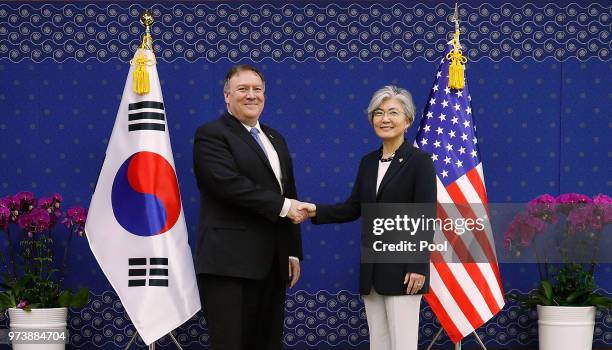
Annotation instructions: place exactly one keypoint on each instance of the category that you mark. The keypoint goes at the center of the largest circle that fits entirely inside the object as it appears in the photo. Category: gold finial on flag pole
(146, 19)
(456, 79)
(141, 84)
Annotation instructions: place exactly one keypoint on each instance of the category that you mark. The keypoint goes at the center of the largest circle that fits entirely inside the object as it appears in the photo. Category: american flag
(466, 294)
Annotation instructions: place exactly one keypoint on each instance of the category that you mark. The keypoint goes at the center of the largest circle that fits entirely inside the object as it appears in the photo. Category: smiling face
(244, 96)
(389, 120)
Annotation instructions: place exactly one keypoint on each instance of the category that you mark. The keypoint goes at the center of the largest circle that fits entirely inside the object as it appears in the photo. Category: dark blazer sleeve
(295, 237)
(350, 210)
(217, 172)
(425, 191)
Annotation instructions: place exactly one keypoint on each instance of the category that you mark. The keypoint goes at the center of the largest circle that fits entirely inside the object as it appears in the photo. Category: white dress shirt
(382, 170)
(274, 163)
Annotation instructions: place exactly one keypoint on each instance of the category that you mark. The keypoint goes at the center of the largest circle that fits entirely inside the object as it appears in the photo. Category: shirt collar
(248, 127)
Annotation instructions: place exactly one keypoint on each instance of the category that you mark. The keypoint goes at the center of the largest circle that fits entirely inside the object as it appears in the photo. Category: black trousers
(244, 314)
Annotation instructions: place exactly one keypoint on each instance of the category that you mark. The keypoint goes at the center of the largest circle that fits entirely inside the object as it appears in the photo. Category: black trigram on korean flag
(146, 115)
(155, 272)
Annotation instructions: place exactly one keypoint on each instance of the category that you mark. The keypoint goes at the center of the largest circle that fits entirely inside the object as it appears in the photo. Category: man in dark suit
(249, 245)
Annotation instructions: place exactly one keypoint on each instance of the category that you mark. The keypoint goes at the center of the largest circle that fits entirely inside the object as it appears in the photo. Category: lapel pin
(401, 160)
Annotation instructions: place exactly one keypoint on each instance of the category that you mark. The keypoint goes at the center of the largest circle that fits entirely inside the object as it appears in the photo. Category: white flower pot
(566, 327)
(38, 329)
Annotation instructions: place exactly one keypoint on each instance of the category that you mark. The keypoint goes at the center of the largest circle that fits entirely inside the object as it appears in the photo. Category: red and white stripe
(464, 295)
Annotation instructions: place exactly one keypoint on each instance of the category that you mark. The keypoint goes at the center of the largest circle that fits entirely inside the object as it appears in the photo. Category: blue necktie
(255, 133)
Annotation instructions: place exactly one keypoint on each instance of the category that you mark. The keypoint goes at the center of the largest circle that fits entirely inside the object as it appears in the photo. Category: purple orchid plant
(32, 276)
(580, 221)
(583, 215)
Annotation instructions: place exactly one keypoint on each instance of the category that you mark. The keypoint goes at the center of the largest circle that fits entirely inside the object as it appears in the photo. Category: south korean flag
(136, 226)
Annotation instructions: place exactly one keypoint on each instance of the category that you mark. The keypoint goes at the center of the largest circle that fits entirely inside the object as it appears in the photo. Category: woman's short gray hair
(392, 91)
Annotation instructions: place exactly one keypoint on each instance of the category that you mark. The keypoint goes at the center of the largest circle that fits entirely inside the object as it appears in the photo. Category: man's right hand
(300, 211)
(296, 215)
(309, 208)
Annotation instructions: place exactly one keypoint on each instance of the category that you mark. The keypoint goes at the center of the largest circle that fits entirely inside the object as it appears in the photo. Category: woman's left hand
(414, 282)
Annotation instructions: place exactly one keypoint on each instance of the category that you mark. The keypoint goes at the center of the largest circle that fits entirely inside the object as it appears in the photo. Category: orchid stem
(11, 253)
(65, 257)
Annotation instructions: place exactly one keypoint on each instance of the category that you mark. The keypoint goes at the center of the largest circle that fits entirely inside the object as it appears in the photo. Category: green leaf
(544, 301)
(65, 298)
(80, 298)
(576, 296)
(12, 298)
(5, 302)
(599, 301)
(547, 289)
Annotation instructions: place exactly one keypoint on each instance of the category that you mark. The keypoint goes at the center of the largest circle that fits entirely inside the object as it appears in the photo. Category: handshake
(300, 211)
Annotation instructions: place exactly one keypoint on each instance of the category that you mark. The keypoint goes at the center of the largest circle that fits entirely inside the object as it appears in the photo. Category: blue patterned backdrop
(539, 75)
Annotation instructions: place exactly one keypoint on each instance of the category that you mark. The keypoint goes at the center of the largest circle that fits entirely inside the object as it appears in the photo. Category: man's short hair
(241, 68)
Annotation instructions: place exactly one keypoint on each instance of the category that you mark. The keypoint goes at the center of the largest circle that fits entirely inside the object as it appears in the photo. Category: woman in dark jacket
(395, 173)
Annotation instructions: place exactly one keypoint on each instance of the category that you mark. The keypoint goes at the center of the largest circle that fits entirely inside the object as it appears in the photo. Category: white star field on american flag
(447, 131)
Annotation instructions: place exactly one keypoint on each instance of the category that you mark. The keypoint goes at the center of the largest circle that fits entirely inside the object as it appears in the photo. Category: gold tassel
(456, 79)
(141, 84)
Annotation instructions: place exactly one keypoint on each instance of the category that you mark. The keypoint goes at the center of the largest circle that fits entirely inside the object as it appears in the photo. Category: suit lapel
(369, 177)
(242, 132)
(401, 157)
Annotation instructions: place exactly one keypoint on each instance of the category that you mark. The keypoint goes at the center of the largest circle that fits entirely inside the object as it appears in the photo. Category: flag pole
(458, 345)
(435, 338)
(152, 346)
(459, 60)
(456, 78)
(142, 86)
(456, 17)
(141, 83)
